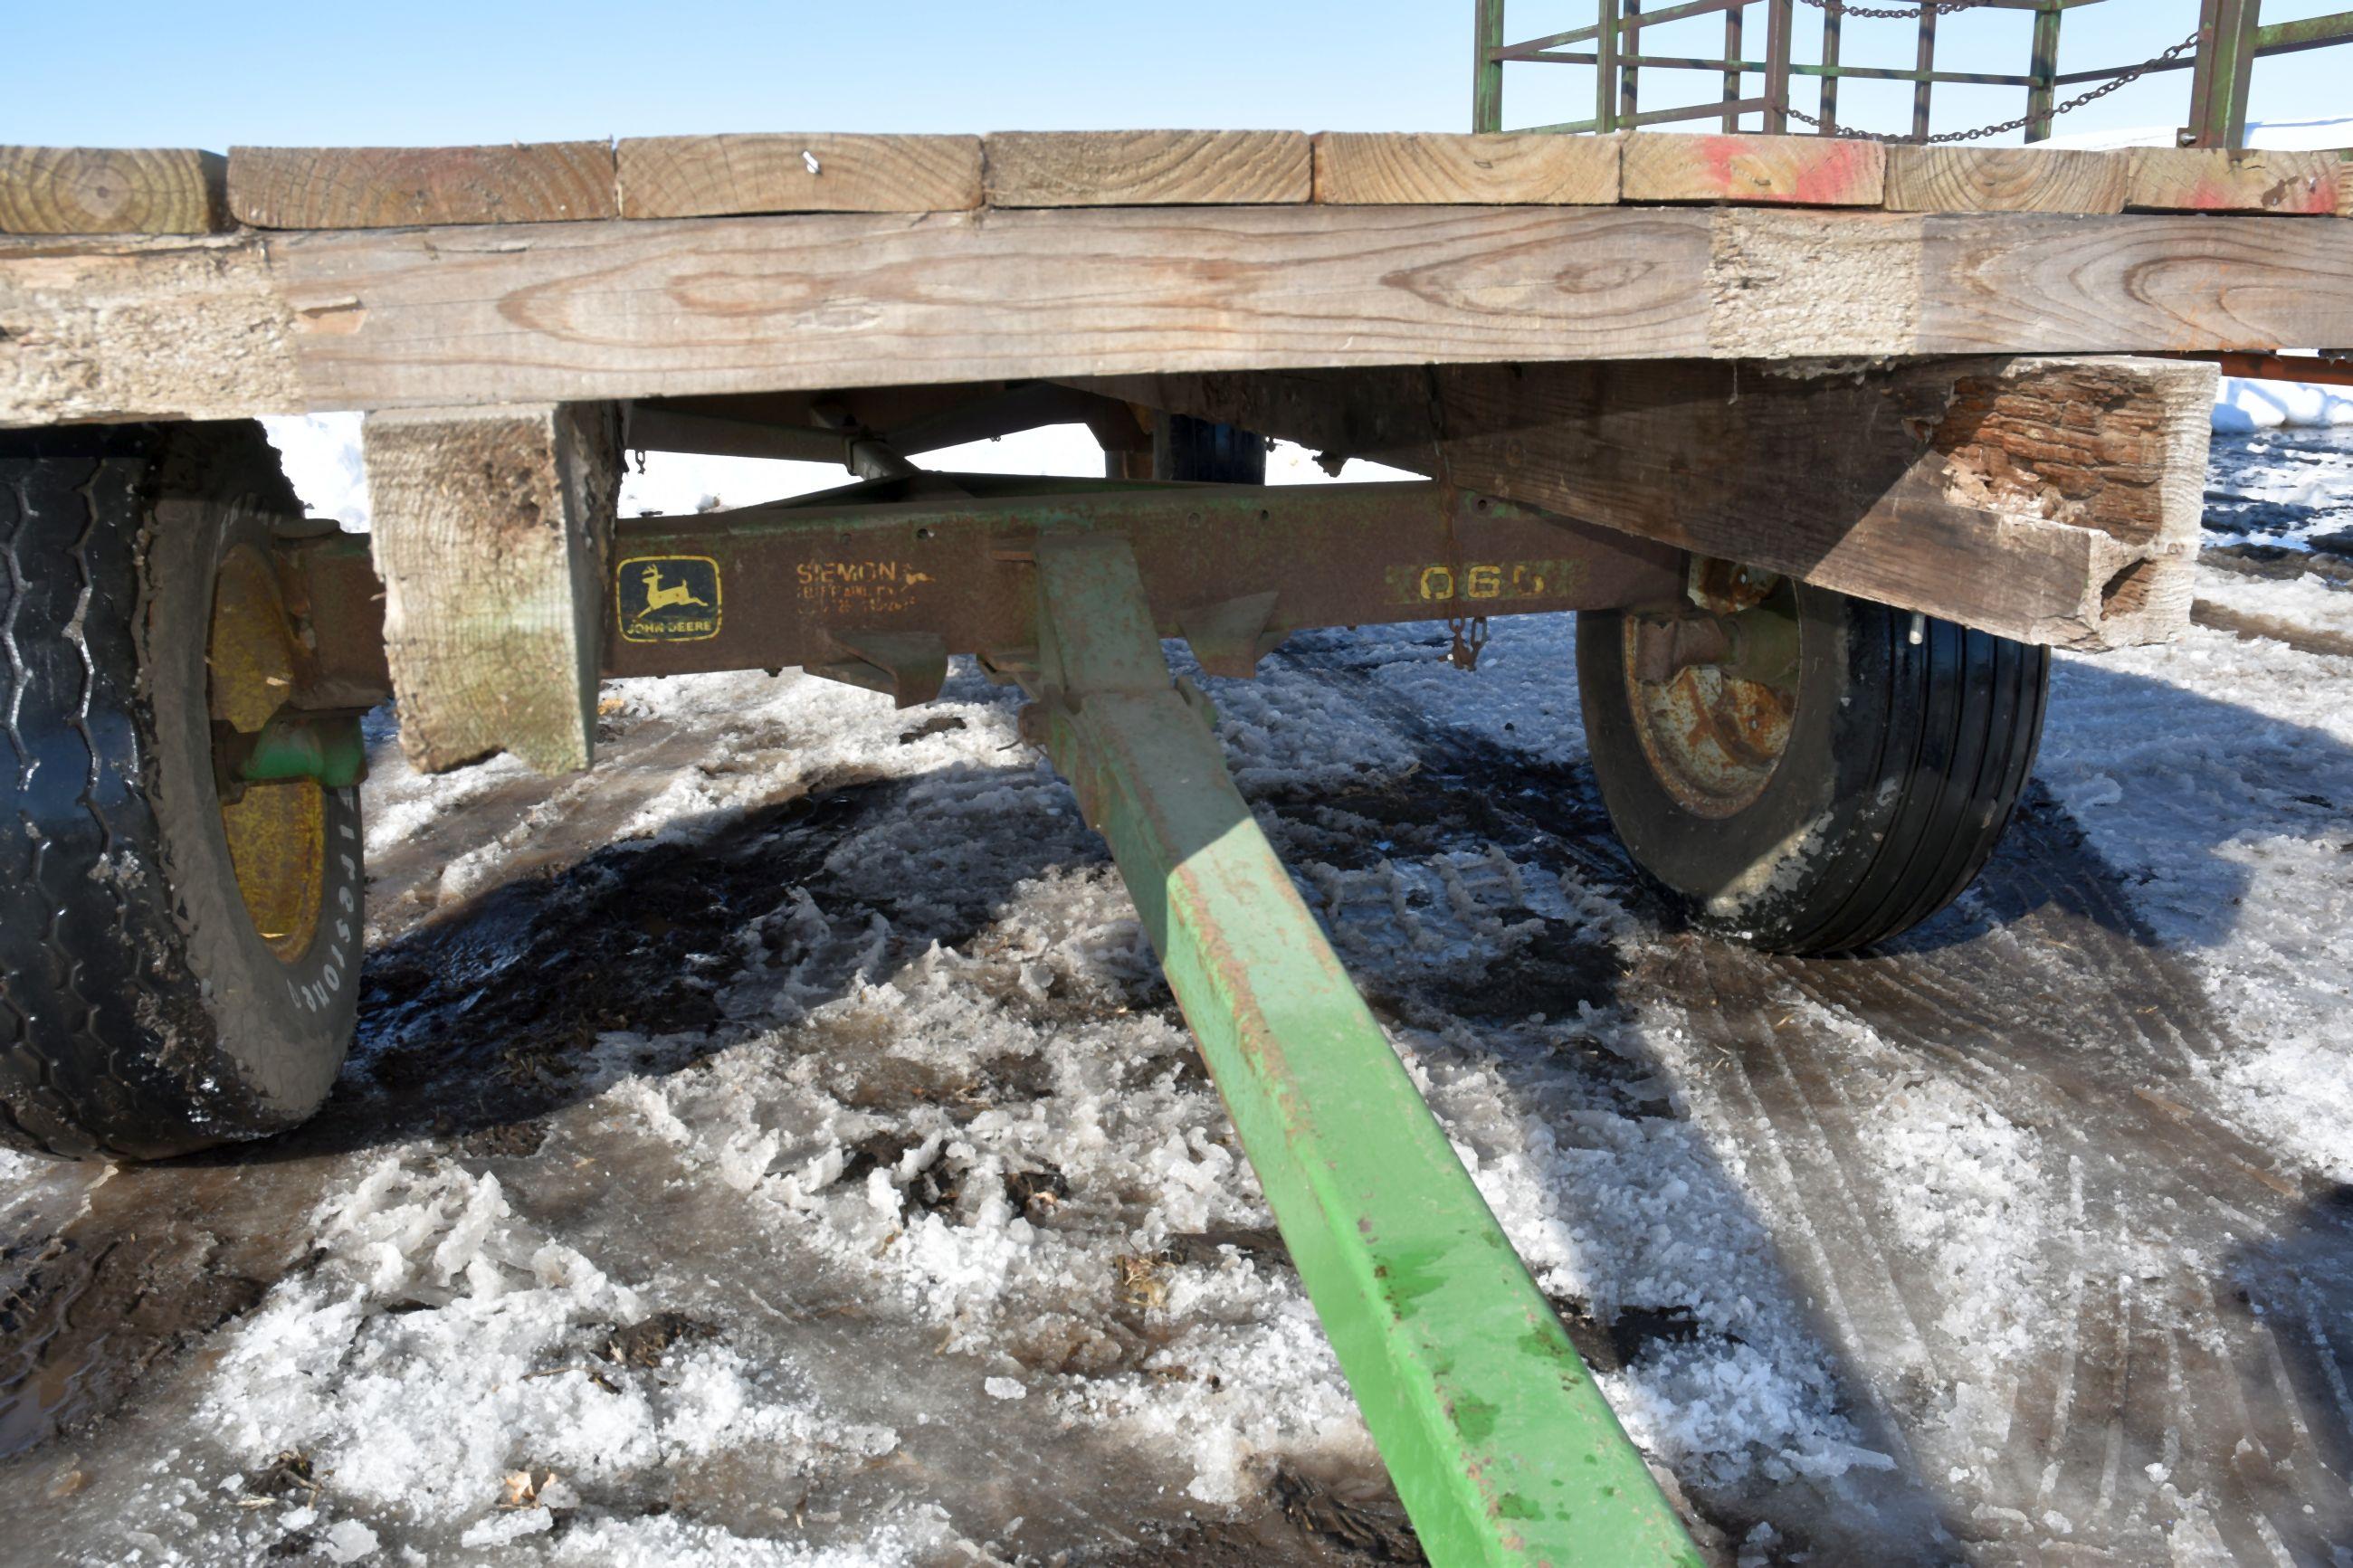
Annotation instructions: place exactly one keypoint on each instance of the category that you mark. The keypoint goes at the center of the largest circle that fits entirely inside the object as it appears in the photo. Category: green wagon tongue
(1501, 1445)
(327, 749)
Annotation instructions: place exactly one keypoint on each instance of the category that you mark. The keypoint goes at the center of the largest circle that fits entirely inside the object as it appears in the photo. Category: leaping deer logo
(660, 597)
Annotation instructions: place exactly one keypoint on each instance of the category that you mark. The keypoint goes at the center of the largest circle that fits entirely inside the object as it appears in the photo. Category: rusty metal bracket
(1232, 635)
(910, 668)
(1502, 1446)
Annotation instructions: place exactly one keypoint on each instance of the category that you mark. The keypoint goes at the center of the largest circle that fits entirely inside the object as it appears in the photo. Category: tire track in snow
(2043, 997)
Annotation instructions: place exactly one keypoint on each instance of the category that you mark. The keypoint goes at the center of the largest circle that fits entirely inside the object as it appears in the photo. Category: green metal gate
(2220, 53)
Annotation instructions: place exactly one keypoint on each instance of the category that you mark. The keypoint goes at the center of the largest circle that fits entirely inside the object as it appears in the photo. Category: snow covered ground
(2319, 134)
(2245, 404)
(779, 1148)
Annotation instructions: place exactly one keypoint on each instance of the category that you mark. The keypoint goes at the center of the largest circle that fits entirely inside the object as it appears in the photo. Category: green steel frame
(1500, 1446)
(2231, 37)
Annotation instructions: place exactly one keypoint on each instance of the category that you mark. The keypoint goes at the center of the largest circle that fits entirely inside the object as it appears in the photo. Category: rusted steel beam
(811, 427)
(332, 595)
(840, 582)
(2328, 370)
(804, 583)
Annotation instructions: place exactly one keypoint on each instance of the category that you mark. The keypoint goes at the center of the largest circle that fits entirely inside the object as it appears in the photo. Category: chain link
(1932, 8)
(2124, 79)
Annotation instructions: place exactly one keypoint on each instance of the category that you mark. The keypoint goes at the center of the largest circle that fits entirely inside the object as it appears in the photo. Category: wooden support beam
(2224, 180)
(1527, 168)
(2054, 501)
(1147, 168)
(391, 187)
(111, 190)
(2004, 179)
(703, 176)
(220, 327)
(490, 533)
(1804, 170)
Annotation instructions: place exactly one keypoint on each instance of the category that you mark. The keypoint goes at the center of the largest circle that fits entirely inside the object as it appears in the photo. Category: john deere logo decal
(668, 598)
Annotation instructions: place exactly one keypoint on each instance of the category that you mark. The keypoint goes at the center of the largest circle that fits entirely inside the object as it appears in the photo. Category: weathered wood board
(143, 329)
(384, 187)
(2210, 179)
(490, 533)
(1147, 168)
(1802, 171)
(1368, 168)
(2055, 501)
(111, 190)
(706, 176)
(568, 312)
(2004, 179)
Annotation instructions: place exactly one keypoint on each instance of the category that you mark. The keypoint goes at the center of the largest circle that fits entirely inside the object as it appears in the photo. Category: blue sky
(136, 72)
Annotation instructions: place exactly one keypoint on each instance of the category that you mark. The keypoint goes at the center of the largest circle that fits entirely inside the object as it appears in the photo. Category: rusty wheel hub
(277, 831)
(1714, 697)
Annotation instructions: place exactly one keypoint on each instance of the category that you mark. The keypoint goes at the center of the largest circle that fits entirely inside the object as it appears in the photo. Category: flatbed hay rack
(1827, 439)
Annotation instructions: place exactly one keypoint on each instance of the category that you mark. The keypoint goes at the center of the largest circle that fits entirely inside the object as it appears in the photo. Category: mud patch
(1308, 1521)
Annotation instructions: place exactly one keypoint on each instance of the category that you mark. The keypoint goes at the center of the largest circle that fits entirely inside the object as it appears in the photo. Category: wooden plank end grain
(1147, 168)
(144, 327)
(492, 531)
(111, 190)
(1533, 169)
(398, 187)
(710, 176)
(2222, 180)
(2005, 179)
(1802, 171)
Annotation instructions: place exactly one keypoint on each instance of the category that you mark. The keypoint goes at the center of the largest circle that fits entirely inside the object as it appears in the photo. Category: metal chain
(1928, 8)
(1469, 633)
(2124, 79)
(1465, 654)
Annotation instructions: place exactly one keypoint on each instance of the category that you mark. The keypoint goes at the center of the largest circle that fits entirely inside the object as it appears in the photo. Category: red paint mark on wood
(1843, 174)
(1806, 171)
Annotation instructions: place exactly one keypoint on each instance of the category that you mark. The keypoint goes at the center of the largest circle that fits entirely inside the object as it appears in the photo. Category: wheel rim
(277, 831)
(1714, 733)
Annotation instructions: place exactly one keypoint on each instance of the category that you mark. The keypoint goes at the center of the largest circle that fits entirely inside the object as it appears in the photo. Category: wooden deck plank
(1431, 168)
(569, 312)
(1805, 171)
(705, 176)
(387, 187)
(2217, 180)
(111, 190)
(1147, 168)
(2054, 500)
(2004, 179)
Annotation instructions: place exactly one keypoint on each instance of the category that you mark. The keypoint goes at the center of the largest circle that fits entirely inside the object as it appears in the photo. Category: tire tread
(109, 1045)
(1967, 769)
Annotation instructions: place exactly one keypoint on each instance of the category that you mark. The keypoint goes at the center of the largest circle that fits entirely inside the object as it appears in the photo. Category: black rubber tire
(1903, 764)
(1196, 449)
(141, 1013)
